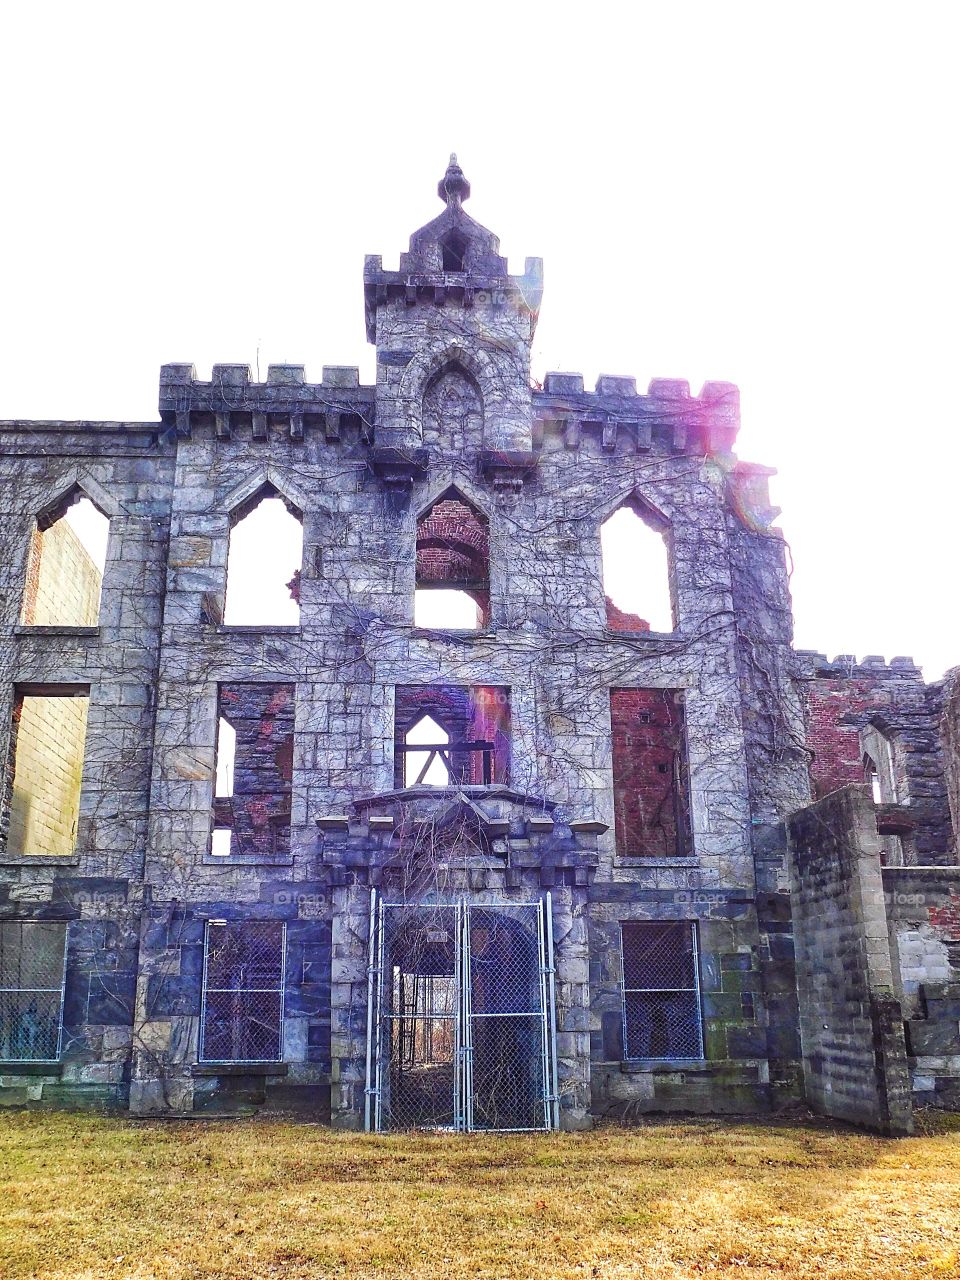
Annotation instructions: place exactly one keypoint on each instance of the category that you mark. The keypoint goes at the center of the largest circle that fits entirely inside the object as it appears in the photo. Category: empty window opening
(452, 735)
(254, 770)
(636, 573)
(31, 989)
(68, 552)
(45, 768)
(872, 777)
(453, 248)
(650, 784)
(880, 774)
(453, 566)
(428, 767)
(243, 987)
(661, 996)
(226, 755)
(263, 564)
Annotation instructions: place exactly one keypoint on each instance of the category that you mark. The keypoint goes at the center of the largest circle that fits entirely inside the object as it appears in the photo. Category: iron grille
(243, 984)
(32, 969)
(661, 990)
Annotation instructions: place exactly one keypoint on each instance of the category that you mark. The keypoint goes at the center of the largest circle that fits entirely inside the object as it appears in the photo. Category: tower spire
(453, 188)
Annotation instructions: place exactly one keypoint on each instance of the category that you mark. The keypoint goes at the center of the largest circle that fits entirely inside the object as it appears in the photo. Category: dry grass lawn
(95, 1197)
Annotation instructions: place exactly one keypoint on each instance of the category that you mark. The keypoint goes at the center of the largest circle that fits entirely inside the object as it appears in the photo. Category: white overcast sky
(764, 193)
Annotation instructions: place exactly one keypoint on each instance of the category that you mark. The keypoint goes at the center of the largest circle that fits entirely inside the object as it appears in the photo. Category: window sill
(239, 1069)
(248, 860)
(24, 630)
(250, 629)
(10, 1067)
(637, 1066)
(39, 860)
(458, 633)
(635, 861)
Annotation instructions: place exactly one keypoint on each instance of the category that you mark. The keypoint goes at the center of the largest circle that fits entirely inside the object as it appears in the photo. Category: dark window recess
(31, 989)
(243, 982)
(253, 799)
(650, 784)
(454, 248)
(661, 1000)
(474, 744)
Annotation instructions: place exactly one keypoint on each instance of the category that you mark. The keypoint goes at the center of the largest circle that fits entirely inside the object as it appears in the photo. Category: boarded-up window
(649, 773)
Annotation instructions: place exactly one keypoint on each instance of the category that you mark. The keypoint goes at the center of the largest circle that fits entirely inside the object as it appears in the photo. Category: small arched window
(636, 572)
(68, 552)
(263, 563)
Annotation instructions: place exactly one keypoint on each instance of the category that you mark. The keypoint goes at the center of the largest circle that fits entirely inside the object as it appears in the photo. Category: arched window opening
(453, 247)
(454, 735)
(263, 564)
(636, 573)
(427, 767)
(872, 778)
(65, 569)
(453, 567)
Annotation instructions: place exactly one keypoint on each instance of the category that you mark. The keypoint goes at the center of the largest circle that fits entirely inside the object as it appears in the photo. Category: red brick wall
(650, 806)
(452, 545)
(259, 809)
(619, 620)
(835, 711)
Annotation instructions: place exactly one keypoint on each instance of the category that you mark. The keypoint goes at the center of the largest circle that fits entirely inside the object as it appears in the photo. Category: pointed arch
(453, 564)
(636, 551)
(427, 367)
(264, 550)
(67, 555)
(264, 482)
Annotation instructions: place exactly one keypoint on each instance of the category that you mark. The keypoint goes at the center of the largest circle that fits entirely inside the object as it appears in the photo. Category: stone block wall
(851, 1023)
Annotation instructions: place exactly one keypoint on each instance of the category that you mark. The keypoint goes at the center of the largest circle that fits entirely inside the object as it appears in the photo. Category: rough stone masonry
(581, 896)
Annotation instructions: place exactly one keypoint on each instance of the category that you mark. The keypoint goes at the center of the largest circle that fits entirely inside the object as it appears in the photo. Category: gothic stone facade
(669, 968)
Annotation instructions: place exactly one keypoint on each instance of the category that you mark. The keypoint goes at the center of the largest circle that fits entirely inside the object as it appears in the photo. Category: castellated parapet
(575, 900)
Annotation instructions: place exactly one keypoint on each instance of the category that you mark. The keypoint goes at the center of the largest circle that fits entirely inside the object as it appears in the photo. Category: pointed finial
(453, 186)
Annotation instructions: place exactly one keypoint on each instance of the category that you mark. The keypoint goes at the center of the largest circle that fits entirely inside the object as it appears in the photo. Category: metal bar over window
(243, 990)
(661, 990)
(32, 976)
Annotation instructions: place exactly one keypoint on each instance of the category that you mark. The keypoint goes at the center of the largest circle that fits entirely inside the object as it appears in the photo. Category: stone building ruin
(299, 842)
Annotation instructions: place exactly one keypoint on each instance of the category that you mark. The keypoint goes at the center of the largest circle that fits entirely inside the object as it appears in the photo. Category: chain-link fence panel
(242, 1014)
(31, 989)
(661, 998)
(460, 1022)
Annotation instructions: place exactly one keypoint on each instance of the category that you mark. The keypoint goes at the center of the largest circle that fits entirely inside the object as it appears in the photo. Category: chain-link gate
(461, 1027)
